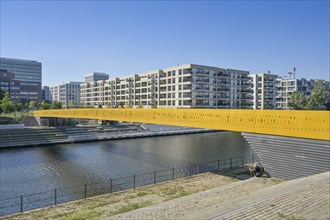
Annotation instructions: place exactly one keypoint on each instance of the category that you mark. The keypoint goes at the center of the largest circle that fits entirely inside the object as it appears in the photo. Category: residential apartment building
(285, 88)
(184, 86)
(29, 72)
(67, 93)
(96, 76)
(264, 91)
(18, 90)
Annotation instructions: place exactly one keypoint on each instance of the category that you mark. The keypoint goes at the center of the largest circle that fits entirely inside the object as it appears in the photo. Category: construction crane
(292, 73)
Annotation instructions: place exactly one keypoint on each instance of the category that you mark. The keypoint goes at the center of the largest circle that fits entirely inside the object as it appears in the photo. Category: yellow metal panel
(303, 124)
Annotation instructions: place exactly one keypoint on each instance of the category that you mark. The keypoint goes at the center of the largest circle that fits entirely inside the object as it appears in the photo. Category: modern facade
(285, 88)
(184, 86)
(46, 95)
(19, 90)
(67, 93)
(264, 91)
(96, 76)
(27, 71)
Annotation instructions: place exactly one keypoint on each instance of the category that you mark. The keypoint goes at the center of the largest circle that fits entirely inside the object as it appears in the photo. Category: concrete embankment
(255, 198)
(34, 136)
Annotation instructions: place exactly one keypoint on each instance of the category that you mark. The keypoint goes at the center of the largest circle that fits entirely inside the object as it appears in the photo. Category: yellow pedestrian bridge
(290, 144)
(289, 123)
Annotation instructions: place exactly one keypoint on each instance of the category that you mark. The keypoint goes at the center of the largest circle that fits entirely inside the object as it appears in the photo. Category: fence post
(242, 160)
(134, 181)
(55, 195)
(110, 185)
(231, 163)
(173, 174)
(253, 157)
(21, 203)
(218, 166)
(85, 191)
(155, 177)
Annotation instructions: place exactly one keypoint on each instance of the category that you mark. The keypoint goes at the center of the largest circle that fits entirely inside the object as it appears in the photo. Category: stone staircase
(255, 198)
(32, 136)
(26, 136)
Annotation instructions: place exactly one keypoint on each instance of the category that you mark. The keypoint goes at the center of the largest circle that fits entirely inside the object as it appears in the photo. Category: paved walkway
(254, 198)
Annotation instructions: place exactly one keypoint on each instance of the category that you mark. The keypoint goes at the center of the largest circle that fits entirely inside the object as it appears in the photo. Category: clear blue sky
(74, 38)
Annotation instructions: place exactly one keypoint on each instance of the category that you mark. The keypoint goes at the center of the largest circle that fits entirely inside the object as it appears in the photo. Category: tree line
(318, 100)
(8, 106)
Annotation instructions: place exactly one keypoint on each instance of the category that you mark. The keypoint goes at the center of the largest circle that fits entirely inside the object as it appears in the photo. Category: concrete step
(294, 203)
(178, 208)
(255, 198)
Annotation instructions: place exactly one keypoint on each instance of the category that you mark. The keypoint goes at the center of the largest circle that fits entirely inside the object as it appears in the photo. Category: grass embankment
(101, 207)
(13, 117)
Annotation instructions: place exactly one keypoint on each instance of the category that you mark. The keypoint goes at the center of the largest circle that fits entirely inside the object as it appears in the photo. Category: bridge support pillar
(290, 158)
(51, 122)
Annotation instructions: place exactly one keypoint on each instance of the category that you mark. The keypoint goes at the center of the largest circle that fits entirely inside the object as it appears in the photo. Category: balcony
(201, 96)
(202, 80)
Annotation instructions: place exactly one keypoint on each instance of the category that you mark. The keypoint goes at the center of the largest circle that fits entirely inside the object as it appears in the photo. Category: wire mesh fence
(26, 202)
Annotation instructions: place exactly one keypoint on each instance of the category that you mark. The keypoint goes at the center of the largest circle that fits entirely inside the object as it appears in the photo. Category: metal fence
(61, 195)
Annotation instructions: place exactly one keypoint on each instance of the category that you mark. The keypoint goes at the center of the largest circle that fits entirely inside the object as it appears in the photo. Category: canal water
(37, 169)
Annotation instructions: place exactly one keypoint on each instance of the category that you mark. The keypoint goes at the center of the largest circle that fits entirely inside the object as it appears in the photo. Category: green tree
(107, 103)
(99, 105)
(19, 106)
(2, 93)
(153, 103)
(56, 105)
(319, 97)
(71, 104)
(128, 104)
(6, 104)
(297, 101)
(25, 103)
(44, 105)
(140, 104)
(32, 105)
(318, 100)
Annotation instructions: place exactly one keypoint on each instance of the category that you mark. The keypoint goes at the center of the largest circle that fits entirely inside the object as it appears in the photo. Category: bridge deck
(302, 124)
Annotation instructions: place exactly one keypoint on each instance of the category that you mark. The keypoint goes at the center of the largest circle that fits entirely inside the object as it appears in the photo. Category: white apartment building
(184, 86)
(264, 91)
(67, 93)
(285, 88)
(96, 76)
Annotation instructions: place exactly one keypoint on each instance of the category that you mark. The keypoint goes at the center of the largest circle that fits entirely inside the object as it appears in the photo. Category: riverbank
(104, 206)
(19, 136)
(206, 196)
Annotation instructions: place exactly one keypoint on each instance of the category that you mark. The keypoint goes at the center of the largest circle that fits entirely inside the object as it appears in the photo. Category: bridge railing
(36, 200)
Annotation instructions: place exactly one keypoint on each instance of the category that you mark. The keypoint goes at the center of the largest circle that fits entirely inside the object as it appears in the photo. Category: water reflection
(36, 169)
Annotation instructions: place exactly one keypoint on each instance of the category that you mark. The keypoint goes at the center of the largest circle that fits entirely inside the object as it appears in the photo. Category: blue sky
(74, 38)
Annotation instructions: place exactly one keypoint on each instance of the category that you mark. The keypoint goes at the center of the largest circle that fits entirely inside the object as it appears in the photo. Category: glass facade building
(28, 72)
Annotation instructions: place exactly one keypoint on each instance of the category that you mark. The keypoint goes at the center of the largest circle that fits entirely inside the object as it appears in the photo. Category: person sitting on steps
(256, 170)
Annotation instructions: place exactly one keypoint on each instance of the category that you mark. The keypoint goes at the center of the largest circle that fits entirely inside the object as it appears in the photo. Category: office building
(46, 95)
(29, 72)
(264, 91)
(184, 86)
(18, 90)
(67, 93)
